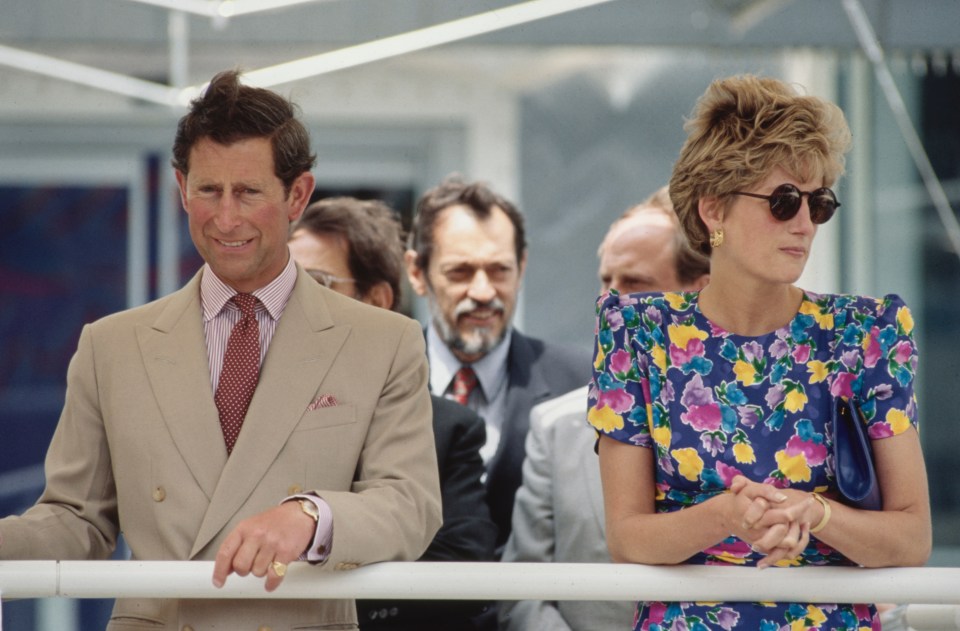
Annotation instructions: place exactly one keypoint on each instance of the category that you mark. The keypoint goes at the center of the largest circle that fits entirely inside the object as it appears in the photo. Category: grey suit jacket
(139, 449)
(558, 517)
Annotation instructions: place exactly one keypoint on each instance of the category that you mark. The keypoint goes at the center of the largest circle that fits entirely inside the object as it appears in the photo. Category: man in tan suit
(333, 459)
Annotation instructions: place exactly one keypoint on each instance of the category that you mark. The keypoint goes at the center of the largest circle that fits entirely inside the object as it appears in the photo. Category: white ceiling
(144, 45)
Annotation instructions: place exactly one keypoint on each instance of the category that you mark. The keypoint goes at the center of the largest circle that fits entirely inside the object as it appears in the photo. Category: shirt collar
(491, 369)
(215, 294)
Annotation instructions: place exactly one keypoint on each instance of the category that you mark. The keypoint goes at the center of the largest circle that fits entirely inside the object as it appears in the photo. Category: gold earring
(716, 238)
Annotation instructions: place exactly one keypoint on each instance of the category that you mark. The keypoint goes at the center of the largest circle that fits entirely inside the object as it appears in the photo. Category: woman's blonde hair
(741, 129)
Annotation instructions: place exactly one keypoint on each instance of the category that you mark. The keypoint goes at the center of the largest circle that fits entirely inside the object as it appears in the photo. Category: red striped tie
(241, 370)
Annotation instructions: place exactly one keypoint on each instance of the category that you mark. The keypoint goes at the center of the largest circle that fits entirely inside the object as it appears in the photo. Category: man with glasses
(355, 247)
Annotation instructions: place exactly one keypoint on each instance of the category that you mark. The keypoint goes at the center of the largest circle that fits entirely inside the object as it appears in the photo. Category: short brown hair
(454, 191)
(229, 111)
(743, 127)
(690, 264)
(374, 239)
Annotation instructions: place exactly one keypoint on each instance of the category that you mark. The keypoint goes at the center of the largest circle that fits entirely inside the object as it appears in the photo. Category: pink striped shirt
(220, 314)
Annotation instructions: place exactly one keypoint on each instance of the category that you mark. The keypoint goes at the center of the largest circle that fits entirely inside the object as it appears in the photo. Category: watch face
(310, 509)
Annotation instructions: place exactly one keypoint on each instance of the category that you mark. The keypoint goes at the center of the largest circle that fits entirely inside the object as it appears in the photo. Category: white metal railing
(933, 593)
(487, 581)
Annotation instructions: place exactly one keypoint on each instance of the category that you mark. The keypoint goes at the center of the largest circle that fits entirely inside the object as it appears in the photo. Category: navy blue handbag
(853, 458)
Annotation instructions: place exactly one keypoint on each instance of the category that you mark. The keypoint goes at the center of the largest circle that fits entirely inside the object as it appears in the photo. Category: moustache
(469, 304)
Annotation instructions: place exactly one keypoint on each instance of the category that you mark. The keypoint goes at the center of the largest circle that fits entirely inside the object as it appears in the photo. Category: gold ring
(279, 568)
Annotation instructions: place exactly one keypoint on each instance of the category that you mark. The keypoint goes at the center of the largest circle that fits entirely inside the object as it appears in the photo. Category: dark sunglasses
(785, 201)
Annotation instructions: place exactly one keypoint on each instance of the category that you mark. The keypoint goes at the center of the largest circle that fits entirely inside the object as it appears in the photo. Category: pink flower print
(620, 362)
(703, 417)
(727, 473)
(841, 385)
(872, 352)
(679, 356)
(815, 454)
(801, 353)
(740, 549)
(617, 400)
(862, 611)
(657, 612)
(904, 350)
(880, 430)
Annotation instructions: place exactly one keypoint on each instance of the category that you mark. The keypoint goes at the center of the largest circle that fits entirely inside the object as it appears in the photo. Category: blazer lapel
(302, 350)
(175, 358)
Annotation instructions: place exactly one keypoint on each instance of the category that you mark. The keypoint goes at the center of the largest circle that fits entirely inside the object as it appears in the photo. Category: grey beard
(483, 340)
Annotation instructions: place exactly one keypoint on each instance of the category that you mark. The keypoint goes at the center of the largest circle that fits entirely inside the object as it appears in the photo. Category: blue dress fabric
(714, 405)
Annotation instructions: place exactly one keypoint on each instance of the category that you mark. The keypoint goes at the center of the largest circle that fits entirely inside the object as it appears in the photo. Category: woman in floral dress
(714, 408)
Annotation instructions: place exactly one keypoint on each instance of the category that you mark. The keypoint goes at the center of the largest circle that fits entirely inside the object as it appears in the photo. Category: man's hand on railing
(262, 545)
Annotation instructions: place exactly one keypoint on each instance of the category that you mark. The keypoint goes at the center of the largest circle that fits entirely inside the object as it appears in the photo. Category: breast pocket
(322, 418)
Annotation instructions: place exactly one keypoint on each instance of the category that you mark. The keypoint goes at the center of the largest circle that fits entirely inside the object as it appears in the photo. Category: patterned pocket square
(325, 401)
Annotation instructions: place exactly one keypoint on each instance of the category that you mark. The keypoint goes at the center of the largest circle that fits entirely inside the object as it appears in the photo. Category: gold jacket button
(159, 494)
(187, 627)
(295, 489)
(264, 628)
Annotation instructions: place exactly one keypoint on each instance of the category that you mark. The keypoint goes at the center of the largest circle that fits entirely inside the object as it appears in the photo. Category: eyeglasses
(326, 279)
(786, 199)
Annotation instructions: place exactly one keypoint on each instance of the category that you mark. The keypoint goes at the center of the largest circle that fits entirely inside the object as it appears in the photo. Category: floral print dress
(714, 405)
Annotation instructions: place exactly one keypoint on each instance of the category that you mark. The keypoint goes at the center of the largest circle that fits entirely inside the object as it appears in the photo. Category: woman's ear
(711, 212)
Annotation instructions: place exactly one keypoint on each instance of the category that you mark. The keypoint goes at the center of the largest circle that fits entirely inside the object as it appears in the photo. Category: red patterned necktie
(464, 383)
(241, 369)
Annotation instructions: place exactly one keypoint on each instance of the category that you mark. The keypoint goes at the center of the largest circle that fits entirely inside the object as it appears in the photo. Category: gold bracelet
(826, 513)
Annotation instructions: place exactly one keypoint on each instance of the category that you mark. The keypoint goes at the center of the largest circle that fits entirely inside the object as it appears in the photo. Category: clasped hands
(774, 522)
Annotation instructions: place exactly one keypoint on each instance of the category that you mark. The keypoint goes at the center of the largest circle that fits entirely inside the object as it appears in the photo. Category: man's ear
(711, 212)
(416, 275)
(380, 295)
(300, 193)
(182, 183)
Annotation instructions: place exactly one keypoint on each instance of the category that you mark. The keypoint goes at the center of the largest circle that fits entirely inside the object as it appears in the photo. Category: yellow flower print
(745, 372)
(661, 436)
(818, 370)
(905, 319)
(898, 420)
(598, 362)
(813, 620)
(681, 334)
(659, 356)
(794, 468)
(743, 453)
(823, 320)
(795, 400)
(691, 464)
(676, 301)
(604, 419)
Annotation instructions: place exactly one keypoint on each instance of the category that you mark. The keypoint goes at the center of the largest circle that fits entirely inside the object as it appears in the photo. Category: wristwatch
(310, 509)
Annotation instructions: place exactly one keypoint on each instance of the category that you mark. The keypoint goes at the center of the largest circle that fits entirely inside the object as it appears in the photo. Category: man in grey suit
(467, 256)
(252, 418)
(558, 516)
